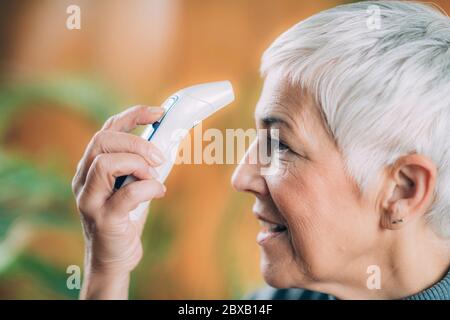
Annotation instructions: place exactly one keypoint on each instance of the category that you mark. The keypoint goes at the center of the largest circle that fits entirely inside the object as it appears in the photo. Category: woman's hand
(112, 240)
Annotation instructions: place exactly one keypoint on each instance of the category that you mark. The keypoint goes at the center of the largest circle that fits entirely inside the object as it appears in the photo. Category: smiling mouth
(269, 230)
(271, 227)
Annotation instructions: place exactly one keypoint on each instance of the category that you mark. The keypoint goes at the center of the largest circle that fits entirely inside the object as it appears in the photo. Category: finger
(106, 168)
(131, 195)
(109, 142)
(132, 117)
(125, 121)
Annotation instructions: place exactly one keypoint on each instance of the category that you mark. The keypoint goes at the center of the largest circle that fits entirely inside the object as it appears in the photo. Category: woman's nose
(247, 175)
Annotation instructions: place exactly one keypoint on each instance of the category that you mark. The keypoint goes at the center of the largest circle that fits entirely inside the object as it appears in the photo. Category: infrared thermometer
(183, 110)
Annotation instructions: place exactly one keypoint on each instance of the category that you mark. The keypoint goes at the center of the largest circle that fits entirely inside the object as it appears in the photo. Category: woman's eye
(281, 146)
(278, 146)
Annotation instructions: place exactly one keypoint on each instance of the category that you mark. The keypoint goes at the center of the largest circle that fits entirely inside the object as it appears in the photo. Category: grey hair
(384, 90)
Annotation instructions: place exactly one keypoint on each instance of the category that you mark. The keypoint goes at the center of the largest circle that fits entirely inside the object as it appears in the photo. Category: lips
(270, 229)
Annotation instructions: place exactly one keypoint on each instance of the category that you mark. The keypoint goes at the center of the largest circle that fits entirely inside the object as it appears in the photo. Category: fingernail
(153, 172)
(156, 110)
(156, 158)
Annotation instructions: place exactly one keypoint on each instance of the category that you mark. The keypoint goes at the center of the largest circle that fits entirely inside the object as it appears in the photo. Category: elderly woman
(361, 206)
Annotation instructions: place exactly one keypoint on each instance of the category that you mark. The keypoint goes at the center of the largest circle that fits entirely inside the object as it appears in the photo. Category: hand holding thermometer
(183, 110)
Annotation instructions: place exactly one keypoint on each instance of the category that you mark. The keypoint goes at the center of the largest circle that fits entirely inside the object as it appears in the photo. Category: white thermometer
(183, 110)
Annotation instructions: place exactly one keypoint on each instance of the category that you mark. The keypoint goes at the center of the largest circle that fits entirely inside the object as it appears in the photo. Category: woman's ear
(409, 190)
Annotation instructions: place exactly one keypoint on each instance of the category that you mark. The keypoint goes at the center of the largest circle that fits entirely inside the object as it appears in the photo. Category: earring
(397, 221)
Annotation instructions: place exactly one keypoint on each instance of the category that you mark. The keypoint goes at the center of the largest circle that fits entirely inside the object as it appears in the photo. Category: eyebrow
(270, 121)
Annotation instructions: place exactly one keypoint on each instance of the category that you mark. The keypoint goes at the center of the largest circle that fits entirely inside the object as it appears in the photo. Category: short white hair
(384, 90)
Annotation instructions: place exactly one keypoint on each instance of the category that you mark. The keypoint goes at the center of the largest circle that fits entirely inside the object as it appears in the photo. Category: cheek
(320, 213)
(321, 198)
(302, 201)
(302, 198)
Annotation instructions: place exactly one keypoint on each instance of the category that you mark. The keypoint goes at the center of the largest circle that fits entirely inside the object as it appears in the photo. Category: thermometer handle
(162, 170)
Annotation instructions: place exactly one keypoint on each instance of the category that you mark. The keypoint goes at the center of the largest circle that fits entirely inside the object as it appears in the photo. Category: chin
(275, 274)
(278, 273)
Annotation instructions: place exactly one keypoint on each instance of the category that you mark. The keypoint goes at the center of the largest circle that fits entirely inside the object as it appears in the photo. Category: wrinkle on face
(312, 195)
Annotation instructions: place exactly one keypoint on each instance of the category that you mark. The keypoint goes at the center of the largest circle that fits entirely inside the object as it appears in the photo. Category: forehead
(282, 100)
(278, 96)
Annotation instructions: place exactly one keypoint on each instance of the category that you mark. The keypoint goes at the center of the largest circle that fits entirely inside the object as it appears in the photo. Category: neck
(415, 264)
(409, 262)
